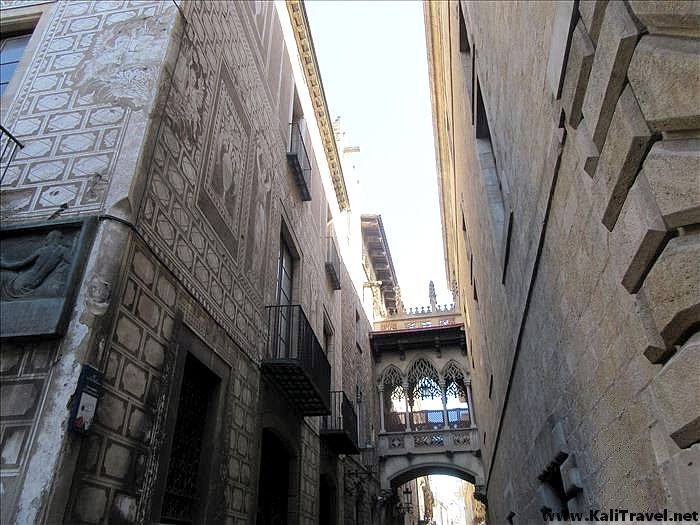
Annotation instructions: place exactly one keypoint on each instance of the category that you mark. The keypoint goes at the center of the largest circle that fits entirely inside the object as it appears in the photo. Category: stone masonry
(169, 123)
(582, 304)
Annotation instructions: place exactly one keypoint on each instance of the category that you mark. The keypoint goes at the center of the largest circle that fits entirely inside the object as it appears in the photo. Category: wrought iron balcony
(339, 429)
(8, 147)
(295, 361)
(332, 262)
(298, 160)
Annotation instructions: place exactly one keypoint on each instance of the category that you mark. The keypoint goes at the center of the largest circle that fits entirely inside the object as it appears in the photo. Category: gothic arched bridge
(426, 422)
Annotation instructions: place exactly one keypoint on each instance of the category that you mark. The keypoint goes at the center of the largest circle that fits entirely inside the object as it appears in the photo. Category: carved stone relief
(92, 69)
(40, 267)
(217, 163)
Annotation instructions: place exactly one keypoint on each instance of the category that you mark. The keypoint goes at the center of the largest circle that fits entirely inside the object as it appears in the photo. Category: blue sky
(374, 68)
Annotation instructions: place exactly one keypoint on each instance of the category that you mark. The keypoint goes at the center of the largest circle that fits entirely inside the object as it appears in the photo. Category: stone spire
(433, 297)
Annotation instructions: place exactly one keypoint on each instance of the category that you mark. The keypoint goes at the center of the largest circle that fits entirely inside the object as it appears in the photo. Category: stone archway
(396, 470)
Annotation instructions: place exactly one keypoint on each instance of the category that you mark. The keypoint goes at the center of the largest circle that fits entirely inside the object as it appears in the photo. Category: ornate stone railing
(424, 442)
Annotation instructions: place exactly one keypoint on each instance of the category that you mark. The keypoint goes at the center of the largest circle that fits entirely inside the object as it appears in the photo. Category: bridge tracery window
(455, 383)
(423, 380)
(393, 383)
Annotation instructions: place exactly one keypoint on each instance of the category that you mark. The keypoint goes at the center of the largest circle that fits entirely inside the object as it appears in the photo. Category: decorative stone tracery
(422, 381)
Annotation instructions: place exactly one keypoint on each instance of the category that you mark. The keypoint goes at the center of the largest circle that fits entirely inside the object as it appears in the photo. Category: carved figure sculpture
(33, 270)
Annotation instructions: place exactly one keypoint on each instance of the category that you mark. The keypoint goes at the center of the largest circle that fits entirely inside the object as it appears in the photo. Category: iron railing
(8, 148)
(342, 417)
(332, 262)
(458, 418)
(427, 420)
(298, 159)
(291, 338)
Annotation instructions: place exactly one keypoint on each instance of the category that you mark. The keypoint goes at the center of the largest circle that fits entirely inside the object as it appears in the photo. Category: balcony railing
(339, 429)
(295, 360)
(8, 147)
(332, 262)
(428, 420)
(298, 160)
(458, 418)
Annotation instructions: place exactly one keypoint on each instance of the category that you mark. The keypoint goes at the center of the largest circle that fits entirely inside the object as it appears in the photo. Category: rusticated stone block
(671, 290)
(587, 151)
(578, 68)
(592, 13)
(123, 509)
(662, 16)
(676, 390)
(134, 380)
(117, 461)
(128, 334)
(110, 411)
(19, 399)
(625, 145)
(638, 235)
(665, 74)
(90, 504)
(618, 37)
(672, 168)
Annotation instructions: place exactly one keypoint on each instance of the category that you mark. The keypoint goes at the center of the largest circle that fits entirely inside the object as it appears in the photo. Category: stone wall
(24, 371)
(181, 147)
(576, 302)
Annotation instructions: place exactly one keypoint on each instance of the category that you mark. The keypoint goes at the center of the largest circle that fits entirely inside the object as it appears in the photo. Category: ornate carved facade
(166, 126)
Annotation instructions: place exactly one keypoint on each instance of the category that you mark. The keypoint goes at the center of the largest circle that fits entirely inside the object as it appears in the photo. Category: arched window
(394, 400)
(455, 385)
(423, 381)
(393, 383)
(458, 410)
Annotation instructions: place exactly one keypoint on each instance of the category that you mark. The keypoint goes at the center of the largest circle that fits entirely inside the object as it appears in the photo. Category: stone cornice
(302, 35)
(440, 111)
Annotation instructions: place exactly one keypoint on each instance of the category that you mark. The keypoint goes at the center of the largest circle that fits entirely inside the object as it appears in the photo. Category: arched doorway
(273, 487)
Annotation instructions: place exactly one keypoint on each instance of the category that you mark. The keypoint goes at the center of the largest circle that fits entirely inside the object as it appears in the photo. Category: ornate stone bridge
(427, 425)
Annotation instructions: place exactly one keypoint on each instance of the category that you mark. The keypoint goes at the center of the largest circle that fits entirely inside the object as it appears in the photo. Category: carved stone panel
(40, 269)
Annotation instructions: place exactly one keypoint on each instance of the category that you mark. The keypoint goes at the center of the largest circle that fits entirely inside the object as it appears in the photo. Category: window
(11, 51)
(358, 333)
(283, 297)
(487, 163)
(327, 336)
(466, 55)
(285, 274)
(490, 385)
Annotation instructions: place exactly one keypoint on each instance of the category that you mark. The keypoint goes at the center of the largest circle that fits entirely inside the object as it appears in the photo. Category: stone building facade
(159, 204)
(569, 157)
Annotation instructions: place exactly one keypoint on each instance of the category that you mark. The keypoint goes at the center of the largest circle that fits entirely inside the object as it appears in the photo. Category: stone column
(443, 397)
(472, 419)
(381, 408)
(408, 412)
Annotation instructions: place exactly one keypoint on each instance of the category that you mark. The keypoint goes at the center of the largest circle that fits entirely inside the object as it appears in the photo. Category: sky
(374, 69)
